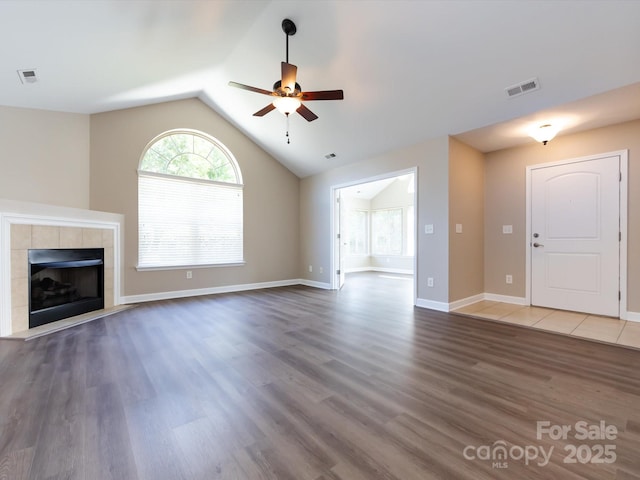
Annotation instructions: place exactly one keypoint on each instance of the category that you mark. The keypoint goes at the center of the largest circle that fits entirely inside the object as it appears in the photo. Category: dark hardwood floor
(303, 384)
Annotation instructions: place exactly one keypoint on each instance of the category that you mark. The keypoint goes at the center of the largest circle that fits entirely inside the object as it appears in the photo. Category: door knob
(536, 245)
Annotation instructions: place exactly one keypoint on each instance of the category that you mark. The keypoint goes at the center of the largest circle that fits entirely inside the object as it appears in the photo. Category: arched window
(189, 202)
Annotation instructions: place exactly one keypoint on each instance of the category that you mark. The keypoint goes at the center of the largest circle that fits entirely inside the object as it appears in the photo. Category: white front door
(575, 246)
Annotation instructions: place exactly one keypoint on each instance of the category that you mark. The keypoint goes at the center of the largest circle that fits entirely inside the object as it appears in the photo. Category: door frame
(623, 155)
(334, 256)
(340, 250)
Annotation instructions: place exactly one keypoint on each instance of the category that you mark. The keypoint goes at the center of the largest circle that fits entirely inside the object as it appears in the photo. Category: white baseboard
(624, 315)
(313, 283)
(402, 271)
(505, 299)
(420, 302)
(432, 305)
(447, 307)
(149, 297)
(466, 301)
(631, 316)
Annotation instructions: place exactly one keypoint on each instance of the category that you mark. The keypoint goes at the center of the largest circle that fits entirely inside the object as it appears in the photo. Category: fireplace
(64, 282)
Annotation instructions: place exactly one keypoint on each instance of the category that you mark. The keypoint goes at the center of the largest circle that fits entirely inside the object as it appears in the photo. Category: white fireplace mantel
(25, 213)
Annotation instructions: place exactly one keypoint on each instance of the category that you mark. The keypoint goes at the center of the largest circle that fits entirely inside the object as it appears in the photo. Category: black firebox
(64, 282)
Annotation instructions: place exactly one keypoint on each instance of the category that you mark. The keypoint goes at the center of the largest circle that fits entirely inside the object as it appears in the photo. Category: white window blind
(184, 221)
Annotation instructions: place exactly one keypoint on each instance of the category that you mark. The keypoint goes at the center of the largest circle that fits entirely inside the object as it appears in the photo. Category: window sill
(140, 268)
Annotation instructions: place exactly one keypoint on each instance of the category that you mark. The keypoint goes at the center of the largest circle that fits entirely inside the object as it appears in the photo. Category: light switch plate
(428, 229)
(506, 229)
(458, 228)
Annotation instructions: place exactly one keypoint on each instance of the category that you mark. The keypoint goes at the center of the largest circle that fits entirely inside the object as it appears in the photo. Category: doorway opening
(374, 227)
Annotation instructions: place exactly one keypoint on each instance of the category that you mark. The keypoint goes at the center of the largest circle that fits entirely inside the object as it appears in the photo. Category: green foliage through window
(192, 155)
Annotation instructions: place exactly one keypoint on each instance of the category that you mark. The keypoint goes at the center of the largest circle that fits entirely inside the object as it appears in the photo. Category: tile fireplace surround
(24, 226)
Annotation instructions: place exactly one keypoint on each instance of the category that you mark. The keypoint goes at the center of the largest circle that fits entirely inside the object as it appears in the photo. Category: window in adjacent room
(386, 231)
(189, 203)
(358, 232)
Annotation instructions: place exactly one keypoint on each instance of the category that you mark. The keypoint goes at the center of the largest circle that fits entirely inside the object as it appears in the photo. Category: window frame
(401, 230)
(367, 232)
(238, 185)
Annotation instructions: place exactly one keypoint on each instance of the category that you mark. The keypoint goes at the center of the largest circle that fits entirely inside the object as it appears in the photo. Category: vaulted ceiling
(410, 70)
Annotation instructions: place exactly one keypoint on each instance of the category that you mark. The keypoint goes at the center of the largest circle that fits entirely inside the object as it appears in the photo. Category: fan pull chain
(287, 135)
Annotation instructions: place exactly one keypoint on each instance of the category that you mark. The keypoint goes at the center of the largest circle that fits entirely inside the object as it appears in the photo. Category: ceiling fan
(287, 92)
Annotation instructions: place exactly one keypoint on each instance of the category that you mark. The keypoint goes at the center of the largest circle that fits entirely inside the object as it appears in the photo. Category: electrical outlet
(310, 268)
(428, 229)
(189, 274)
(509, 279)
(430, 282)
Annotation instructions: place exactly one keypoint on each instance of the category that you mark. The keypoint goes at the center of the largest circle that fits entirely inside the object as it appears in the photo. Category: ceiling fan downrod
(289, 28)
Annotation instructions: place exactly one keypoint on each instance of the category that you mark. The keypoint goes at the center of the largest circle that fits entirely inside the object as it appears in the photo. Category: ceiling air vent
(523, 87)
(330, 155)
(27, 76)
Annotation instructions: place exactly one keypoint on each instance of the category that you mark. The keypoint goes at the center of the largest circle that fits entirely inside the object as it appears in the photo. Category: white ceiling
(410, 70)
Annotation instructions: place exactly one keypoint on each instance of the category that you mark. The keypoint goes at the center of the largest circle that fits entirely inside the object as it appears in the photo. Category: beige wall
(505, 202)
(466, 207)
(45, 157)
(287, 220)
(271, 192)
(431, 158)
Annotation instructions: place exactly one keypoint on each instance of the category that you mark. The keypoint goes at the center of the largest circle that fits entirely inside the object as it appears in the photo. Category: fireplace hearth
(64, 282)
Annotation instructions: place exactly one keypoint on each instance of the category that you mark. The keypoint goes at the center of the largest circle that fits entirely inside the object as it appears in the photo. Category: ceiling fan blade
(264, 111)
(289, 73)
(323, 95)
(306, 113)
(251, 89)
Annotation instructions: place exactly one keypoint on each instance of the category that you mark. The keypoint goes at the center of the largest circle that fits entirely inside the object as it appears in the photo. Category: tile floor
(603, 329)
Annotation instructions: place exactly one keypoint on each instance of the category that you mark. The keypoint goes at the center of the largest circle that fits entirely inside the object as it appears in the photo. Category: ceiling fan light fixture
(287, 105)
(287, 95)
(544, 133)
